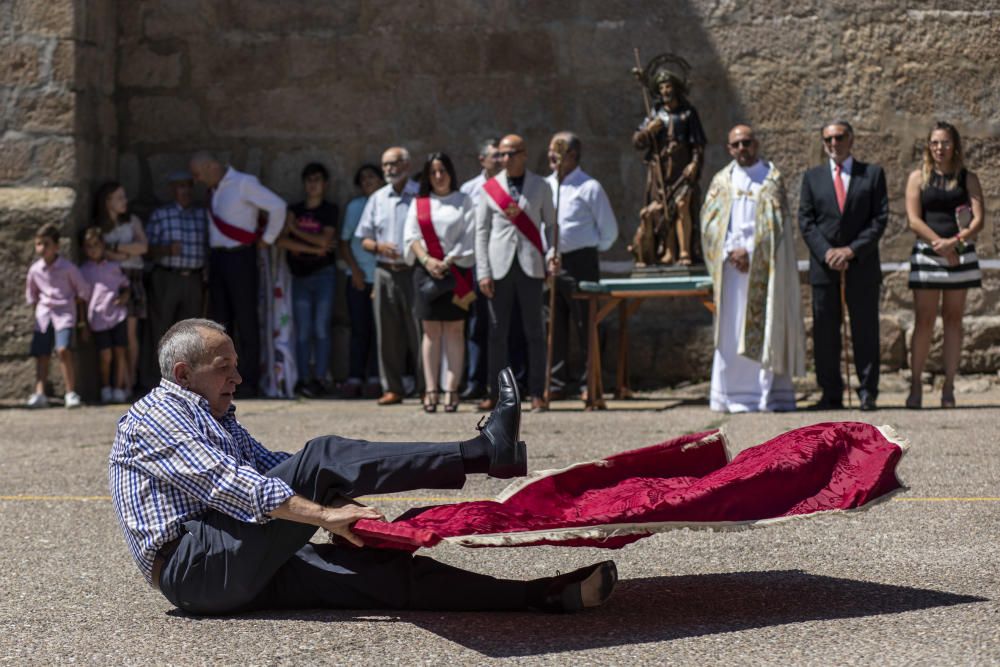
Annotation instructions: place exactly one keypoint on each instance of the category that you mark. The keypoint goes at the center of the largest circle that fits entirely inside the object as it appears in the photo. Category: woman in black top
(944, 205)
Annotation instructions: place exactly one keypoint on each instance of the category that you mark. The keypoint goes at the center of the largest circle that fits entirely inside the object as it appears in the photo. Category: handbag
(431, 288)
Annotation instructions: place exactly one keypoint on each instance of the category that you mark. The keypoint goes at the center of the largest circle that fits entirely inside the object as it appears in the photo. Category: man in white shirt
(477, 364)
(587, 226)
(235, 204)
(748, 241)
(381, 233)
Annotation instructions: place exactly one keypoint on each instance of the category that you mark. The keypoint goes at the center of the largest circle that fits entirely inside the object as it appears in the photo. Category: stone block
(158, 119)
(19, 64)
(526, 53)
(63, 63)
(44, 112)
(55, 162)
(48, 17)
(141, 67)
(235, 64)
(15, 160)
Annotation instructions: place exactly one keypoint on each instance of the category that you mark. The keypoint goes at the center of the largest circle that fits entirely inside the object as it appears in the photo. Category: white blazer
(498, 241)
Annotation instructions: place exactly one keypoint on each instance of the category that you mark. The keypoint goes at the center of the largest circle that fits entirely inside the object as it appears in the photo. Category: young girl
(106, 314)
(54, 285)
(126, 243)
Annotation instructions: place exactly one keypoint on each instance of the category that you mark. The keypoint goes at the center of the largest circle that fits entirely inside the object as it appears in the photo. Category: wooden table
(627, 294)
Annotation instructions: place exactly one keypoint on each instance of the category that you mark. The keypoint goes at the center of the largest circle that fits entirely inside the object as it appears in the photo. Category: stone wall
(271, 85)
(56, 76)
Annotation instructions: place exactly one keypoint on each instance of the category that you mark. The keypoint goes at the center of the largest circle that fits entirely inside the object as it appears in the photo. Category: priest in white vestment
(749, 249)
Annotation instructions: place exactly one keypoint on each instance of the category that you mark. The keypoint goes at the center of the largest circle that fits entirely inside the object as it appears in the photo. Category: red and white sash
(233, 232)
(514, 213)
(462, 294)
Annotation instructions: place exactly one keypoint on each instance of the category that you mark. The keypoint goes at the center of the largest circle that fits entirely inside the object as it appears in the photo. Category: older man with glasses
(381, 233)
(511, 260)
(843, 210)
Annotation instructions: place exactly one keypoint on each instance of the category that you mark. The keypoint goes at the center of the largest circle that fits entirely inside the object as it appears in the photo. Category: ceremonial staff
(658, 178)
(843, 319)
(559, 145)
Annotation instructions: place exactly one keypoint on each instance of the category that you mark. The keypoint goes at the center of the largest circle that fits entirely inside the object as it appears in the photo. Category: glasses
(839, 138)
(394, 163)
(503, 154)
(741, 143)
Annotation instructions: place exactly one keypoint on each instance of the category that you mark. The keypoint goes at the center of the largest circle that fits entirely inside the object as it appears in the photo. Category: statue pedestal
(668, 271)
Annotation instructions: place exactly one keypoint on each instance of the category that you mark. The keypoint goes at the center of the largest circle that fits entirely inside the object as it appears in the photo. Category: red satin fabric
(819, 468)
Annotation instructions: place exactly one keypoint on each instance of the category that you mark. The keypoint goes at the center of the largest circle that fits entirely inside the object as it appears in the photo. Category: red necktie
(838, 187)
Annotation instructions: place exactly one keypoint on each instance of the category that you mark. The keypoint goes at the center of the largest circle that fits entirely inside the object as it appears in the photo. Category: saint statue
(673, 144)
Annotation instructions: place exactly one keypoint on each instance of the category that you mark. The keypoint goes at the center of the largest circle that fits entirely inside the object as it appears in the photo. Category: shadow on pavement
(660, 609)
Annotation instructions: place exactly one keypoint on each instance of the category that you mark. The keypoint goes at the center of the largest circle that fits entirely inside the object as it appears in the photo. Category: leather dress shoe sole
(581, 589)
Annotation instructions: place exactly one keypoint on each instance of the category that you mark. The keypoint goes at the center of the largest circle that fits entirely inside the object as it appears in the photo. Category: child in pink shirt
(54, 285)
(106, 314)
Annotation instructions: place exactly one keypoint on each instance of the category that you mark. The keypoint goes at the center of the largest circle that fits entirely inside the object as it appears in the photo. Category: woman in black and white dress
(944, 205)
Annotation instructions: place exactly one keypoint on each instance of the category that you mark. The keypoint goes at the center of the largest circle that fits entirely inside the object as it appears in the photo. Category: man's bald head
(512, 155)
(742, 145)
(206, 168)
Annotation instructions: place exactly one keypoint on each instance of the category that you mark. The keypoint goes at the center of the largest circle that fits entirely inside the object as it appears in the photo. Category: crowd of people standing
(446, 278)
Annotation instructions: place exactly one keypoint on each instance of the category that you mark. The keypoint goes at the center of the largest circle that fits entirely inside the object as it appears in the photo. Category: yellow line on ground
(451, 499)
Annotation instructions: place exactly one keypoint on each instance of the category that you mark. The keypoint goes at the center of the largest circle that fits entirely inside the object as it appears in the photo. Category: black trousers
(232, 288)
(223, 565)
(570, 313)
(174, 296)
(517, 288)
(862, 306)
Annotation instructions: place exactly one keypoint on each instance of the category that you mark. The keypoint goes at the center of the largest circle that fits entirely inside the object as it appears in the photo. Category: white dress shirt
(746, 183)
(454, 220)
(585, 216)
(845, 173)
(474, 187)
(237, 200)
(384, 217)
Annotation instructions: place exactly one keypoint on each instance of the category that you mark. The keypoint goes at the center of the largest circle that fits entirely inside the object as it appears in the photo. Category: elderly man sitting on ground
(220, 524)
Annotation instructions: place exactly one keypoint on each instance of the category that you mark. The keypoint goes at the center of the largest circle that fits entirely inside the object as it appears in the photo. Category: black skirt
(440, 309)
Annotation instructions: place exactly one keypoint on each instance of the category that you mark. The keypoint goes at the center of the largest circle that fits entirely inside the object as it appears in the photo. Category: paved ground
(915, 581)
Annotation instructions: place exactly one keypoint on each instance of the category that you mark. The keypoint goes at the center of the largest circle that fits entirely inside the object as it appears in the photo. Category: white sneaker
(72, 400)
(119, 396)
(107, 395)
(37, 401)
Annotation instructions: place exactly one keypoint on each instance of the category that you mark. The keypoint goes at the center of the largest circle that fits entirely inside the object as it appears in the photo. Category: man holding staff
(843, 210)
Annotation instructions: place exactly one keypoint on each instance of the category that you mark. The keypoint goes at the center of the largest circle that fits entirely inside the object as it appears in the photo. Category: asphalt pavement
(915, 580)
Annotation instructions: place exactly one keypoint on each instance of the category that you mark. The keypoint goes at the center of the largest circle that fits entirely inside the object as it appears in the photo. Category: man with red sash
(235, 203)
(511, 246)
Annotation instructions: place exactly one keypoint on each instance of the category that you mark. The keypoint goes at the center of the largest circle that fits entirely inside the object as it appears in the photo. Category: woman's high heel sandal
(915, 399)
(450, 401)
(947, 398)
(430, 401)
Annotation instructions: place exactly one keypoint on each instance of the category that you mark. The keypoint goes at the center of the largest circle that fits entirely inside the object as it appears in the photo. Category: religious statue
(673, 142)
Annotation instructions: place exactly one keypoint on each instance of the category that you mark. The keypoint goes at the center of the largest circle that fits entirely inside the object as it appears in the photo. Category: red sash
(233, 232)
(462, 294)
(518, 218)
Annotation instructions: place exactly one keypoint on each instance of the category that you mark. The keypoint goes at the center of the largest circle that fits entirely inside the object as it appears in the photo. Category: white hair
(184, 342)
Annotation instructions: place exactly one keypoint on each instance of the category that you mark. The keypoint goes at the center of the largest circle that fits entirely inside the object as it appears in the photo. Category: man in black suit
(843, 211)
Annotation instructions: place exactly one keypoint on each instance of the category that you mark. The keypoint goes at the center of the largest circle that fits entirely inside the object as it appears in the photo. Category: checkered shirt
(172, 223)
(173, 462)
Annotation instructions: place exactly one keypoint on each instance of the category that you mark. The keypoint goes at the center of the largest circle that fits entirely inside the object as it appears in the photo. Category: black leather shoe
(585, 588)
(826, 404)
(867, 402)
(508, 455)
(473, 393)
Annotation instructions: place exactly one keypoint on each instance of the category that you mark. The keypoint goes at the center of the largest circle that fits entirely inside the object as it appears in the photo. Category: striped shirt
(172, 462)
